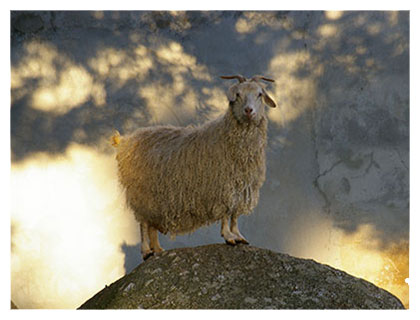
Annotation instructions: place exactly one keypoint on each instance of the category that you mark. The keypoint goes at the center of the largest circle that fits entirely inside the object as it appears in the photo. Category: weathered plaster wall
(337, 187)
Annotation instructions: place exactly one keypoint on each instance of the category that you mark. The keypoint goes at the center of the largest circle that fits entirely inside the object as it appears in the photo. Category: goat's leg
(146, 252)
(226, 233)
(154, 240)
(235, 230)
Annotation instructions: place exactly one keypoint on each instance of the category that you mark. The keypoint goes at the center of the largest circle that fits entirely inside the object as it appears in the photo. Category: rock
(130, 287)
(278, 281)
(250, 300)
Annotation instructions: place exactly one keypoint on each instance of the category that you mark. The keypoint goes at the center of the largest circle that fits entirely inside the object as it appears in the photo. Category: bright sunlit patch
(166, 109)
(359, 253)
(38, 63)
(216, 101)
(69, 220)
(242, 26)
(333, 15)
(98, 15)
(174, 101)
(293, 92)
(348, 61)
(178, 62)
(251, 20)
(361, 49)
(392, 17)
(400, 48)
(122, 65)
(61, 84)
(387, 267)
(374, 28)
(328, 30)
(75, 87)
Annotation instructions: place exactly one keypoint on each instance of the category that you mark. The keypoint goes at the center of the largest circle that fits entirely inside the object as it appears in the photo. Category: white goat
(178, 179)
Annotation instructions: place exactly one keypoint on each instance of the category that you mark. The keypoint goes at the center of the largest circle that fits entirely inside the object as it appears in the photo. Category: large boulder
(219, 276)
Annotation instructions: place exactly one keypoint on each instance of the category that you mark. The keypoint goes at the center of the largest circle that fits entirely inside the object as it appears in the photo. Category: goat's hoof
(158, 250)
(241, 240)
(148, 255)
(231, 242)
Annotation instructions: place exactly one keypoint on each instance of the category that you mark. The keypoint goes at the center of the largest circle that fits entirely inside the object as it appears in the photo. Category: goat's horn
(257, 78)
(239, 77)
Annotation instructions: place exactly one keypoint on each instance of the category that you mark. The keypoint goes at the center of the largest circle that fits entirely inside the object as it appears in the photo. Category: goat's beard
(243, 119)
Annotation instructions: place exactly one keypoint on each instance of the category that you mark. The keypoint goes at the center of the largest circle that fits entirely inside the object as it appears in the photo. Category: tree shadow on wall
(77, 76)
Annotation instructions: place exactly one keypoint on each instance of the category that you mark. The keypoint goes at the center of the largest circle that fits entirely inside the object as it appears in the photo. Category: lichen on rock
(243, 277)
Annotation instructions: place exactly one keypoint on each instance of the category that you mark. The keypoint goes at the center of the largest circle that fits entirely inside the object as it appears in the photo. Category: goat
(178, 179)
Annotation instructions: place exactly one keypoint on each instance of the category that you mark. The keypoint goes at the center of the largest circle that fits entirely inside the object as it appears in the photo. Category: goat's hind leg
(154, 240)
(146, 252)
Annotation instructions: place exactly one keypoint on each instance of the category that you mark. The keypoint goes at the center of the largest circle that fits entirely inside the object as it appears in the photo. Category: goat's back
(178, 179)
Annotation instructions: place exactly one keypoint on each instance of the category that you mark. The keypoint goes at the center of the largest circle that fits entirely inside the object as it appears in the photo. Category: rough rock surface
(242, 277)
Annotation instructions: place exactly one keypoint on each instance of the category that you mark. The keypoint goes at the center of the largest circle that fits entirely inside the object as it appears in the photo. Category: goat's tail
(115, 139)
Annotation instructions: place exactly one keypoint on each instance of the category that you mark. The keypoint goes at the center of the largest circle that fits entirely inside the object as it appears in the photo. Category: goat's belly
(189, 214)
(188, 218)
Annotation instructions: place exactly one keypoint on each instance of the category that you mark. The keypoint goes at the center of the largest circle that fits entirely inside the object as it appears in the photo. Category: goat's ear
(268, 100)
(232, 92)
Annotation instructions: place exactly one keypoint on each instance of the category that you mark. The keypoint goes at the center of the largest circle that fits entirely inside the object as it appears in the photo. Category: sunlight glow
(251, 20)
(61, 84)
(122, 65)
(293, 93)
(38, 63)
(392, 17)
(69, 220)
(359, 254)
(75, 87)
(173, 101)
(173, 57)
(333, 15)
(386, 267)
(348, 61)
(328, 30)
(161, 102)
(216, 101)
(374, 28)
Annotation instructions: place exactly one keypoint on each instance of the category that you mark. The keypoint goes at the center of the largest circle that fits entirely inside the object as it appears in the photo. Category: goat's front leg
(226, 233)
(146, 252)
(154, 240)
(235, 230)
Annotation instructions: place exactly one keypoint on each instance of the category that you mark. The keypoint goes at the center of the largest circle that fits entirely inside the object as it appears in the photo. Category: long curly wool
(179, 179)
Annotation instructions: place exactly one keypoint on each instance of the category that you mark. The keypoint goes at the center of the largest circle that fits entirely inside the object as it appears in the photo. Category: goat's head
(247, 98)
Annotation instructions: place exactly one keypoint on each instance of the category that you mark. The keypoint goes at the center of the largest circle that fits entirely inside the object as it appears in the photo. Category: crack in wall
(372, 163)
(315, 182)
(327, 206)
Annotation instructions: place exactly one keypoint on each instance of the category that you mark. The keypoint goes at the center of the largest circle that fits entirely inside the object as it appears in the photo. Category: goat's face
(247, 101)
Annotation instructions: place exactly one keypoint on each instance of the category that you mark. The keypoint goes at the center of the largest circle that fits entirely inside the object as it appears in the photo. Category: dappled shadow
(338, 142)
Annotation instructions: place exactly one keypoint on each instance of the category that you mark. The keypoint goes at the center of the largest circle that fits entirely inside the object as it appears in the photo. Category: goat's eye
(260, 95)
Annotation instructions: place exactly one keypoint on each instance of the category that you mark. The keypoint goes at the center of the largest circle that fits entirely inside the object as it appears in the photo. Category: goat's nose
(248, 111)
